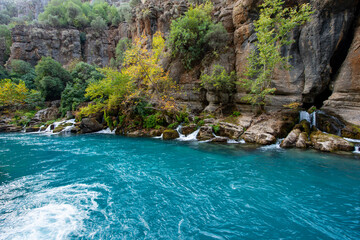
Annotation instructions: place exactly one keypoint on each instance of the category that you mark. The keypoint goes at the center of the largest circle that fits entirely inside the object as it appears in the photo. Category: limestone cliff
(325, 54)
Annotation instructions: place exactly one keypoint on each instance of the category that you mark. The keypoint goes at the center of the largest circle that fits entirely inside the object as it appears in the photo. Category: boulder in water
(267, 128)
(329, 142)
(351, 131)
(186, 130)
(170, 134)
(32, 129)
(230, 130)
(89, 125)
(205, 133)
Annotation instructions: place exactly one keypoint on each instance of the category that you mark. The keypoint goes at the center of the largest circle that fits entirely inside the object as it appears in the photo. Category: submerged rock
(170, 134)
(329, 142)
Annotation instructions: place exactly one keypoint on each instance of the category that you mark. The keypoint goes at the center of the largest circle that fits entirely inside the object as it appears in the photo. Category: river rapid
(102, 186)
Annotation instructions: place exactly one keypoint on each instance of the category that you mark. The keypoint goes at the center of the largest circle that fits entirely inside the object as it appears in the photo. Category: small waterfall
(357, 149)
(310, 118)
(273, 146)
(190, 137)
(159, 137)
(356, 143)
(41, 127)
(66, 130)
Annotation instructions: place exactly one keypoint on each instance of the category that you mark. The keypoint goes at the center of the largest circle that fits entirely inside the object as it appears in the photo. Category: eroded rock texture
(320, 56)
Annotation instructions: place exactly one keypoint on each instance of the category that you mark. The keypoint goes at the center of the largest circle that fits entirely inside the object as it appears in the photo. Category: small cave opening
(336, 62)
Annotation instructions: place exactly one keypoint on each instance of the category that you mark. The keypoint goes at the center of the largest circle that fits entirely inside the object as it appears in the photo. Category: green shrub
(64, 13)
(121, 48)
(216, 128)
(219, 80)
(192, 35)
(201, 123)
(6, 34)
(51, 78)
(98, 24)
(125, 12)
(34, 98)
(74, 93)
(3, 73)
(86, 73)
(20, 67)
(134, 3)
(173, 125)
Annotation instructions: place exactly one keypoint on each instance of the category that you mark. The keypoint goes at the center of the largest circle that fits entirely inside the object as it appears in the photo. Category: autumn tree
(12, 93)
(272, 29)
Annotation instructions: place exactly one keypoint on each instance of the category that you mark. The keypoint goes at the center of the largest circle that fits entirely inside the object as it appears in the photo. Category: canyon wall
(324, 56)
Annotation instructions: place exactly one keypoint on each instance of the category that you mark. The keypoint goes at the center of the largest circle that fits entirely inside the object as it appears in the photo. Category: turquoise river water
(109, 187)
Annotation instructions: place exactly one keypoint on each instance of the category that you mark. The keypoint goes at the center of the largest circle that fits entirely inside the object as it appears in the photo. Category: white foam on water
(274, 146)
(107, 131)
(232, 141)
(190, 137)
(56, 124)
(352, 140)
(159, 137)
(357, 144)
(55, 213)
(357, 150)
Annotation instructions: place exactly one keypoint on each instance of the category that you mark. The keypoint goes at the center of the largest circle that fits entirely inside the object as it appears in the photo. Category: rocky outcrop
(89, 125)
(229, 130)
(321, 59)
(313, 52)
(205, 133)
(298, 137)
(329, 143)
(47, 114)
(30, 43)
(170, 134)
(345, 99)
(267, 128)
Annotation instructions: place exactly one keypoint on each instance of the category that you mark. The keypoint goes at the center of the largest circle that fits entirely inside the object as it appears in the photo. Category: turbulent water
(109, 187)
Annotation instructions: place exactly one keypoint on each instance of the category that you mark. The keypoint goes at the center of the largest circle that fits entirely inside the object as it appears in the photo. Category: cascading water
(107, 131)
(190, 137)
(309, 117)
(356, 142)
(67, 129)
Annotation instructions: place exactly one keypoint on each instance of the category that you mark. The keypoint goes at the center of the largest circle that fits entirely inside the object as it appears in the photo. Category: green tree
(219, 80)
(51, 78)
(73, 94)
(272, 28)
(22, 70)
(191, 35)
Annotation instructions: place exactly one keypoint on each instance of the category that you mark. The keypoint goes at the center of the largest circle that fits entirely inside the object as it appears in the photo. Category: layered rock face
(320, 56)
(30, 43)
(345, 100)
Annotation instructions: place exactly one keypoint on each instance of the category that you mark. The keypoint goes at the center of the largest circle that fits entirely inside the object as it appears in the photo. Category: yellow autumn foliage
(12, 93)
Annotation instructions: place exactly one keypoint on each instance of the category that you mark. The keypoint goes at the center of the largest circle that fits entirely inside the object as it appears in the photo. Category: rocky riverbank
(296, 129)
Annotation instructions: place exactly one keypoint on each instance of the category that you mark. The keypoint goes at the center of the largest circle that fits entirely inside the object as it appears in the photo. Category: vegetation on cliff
(194, 34)
(272, 29)
(75, 13)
